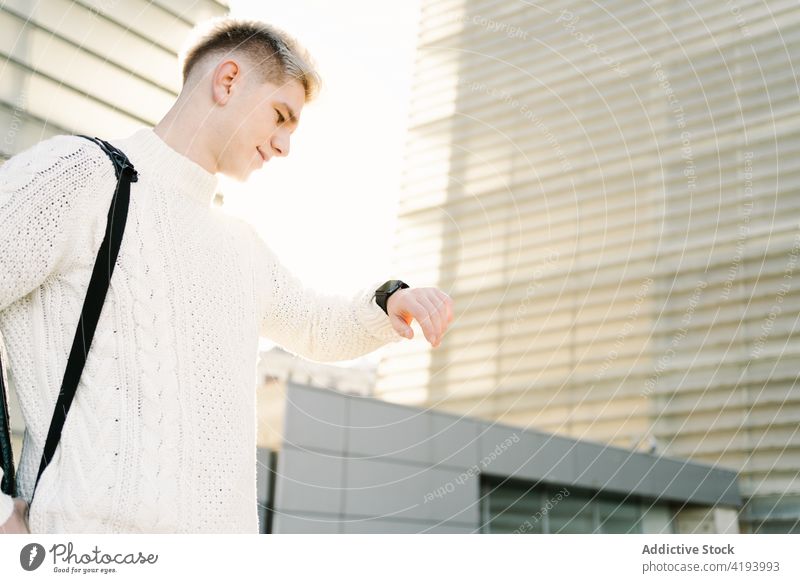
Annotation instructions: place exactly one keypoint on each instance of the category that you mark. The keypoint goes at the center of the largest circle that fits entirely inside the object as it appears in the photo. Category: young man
(161, 433)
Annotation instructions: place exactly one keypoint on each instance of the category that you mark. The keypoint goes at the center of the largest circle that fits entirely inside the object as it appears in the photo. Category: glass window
(572, 515)
(617, 517)
(512, 508)
(519, 507)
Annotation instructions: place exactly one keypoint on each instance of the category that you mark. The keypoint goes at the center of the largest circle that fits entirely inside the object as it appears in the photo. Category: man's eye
(281, 119)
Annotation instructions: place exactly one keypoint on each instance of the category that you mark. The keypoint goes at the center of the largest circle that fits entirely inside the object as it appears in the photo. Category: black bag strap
(90, 315)
(8, 484)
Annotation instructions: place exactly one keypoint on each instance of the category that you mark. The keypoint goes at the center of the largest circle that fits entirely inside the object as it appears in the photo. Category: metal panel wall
(359, 464)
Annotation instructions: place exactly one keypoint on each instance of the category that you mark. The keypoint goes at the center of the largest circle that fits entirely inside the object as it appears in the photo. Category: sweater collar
(150, 154)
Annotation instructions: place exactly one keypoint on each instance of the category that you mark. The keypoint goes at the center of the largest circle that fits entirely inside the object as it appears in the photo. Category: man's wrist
(385, 291)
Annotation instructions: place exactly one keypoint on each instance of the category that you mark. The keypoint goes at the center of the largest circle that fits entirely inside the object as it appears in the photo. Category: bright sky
(328, 209)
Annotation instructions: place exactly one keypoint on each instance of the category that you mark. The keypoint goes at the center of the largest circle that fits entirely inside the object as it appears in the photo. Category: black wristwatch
(382, 293)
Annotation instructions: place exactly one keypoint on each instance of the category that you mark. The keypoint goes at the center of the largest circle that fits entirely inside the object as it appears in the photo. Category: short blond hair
(278, 55)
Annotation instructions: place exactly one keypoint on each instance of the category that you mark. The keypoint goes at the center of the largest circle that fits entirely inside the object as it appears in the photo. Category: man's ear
(226, 75)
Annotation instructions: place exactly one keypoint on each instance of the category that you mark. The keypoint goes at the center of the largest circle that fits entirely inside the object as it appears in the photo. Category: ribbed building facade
(609, 193)
(98, 67)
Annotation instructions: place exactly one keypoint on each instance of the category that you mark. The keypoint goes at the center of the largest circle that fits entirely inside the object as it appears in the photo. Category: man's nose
(280, 147)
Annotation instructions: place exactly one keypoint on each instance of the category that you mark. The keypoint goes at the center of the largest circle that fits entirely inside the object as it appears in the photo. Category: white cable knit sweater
(161, 436)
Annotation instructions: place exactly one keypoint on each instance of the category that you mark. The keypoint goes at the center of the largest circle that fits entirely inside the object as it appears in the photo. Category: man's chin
(240, 176)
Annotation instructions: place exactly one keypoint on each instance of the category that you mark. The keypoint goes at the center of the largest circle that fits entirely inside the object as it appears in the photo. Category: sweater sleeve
(41, 192)
(312, 324)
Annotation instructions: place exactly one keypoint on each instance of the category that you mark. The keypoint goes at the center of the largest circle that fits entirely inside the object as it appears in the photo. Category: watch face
(389, 286)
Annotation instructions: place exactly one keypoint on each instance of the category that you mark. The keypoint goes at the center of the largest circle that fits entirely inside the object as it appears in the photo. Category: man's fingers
(441, 302)
(435, 317)
(445, 305)
(402, 326)
(421, 315)
(433, 309)
(448, 302)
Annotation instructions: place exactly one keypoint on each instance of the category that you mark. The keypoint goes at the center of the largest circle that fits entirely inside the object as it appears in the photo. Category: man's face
(262, 120)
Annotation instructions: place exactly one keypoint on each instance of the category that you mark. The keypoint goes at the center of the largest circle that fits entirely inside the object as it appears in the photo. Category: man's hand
(17, 523)
(431, 307)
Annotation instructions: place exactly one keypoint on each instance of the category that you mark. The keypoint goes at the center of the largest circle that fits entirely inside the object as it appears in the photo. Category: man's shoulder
(56, 154)
(249, 234)
(241, 228)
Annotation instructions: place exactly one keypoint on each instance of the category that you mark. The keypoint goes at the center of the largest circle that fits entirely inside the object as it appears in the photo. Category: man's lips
(263, 157)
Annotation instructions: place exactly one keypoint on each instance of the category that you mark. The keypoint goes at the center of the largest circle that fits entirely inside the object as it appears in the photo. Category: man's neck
(185, 140)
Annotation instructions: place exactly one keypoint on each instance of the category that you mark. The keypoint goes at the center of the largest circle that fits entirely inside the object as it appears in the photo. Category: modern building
(608, 191)
(354, 464)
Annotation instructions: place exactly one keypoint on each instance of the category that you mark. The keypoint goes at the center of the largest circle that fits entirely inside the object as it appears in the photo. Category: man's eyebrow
(292, 117)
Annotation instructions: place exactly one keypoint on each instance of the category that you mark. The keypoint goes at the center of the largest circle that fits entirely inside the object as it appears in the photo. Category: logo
(31, 556)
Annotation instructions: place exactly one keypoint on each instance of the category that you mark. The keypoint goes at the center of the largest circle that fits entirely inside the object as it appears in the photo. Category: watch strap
(383, 293)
